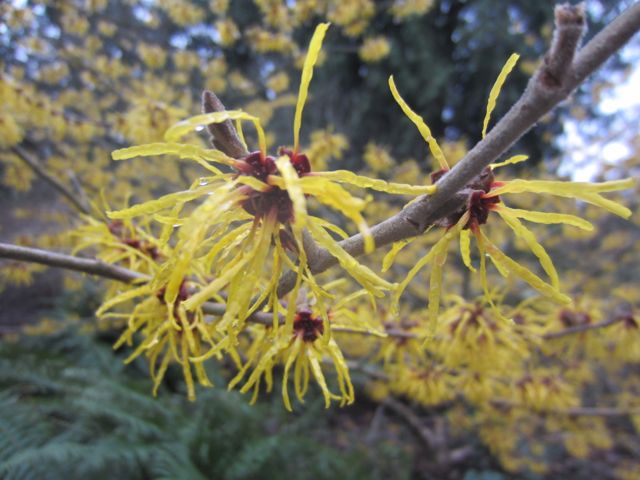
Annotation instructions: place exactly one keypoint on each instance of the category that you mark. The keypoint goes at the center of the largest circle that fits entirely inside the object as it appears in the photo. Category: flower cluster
(485, 196)
(233, 246)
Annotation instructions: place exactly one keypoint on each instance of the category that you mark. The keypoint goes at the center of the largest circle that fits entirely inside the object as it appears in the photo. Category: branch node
(224, 135)
(571, 26)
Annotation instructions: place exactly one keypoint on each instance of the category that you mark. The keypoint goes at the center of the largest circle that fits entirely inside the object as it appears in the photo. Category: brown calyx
(307, 326)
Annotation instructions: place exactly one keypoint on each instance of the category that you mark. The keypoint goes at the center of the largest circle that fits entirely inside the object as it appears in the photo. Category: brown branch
(417, 425)
(538, 99)
(571, 412)
(39, 170)
(224, 135)
(69, 262)
(114, 272)
(581, 328)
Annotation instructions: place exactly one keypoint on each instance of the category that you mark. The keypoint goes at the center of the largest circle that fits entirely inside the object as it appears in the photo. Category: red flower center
(307, 326)
(478, 204)
(274, 200)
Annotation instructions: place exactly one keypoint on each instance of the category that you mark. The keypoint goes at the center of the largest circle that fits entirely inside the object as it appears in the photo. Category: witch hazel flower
(234, 232)
(486, 195)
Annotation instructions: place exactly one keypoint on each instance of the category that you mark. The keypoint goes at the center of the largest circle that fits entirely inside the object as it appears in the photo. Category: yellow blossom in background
(219, 7)
(147, 120)
(402, 9)
(54, 73)
(374, 49)
(241, 83)
(427, 384)
(17, 174)
(228, 31)
(379, 159)
(10, 132)
(182, 12)
(471, 337)
(107, 29)
(303, 10)
(275, 13)
(326, 145)
(264, 41)
(278, 82)
(74, 23)
(152, 55)
(18, 274)
(353, 16)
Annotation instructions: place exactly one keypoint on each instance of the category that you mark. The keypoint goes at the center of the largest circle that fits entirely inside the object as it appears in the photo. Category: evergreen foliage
(67, 410)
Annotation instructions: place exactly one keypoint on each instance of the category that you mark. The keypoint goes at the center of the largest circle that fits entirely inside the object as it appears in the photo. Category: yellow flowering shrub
(507, 329)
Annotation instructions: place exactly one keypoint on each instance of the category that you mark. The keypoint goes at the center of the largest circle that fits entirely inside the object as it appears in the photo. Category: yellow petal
(388, 259)
(536, 248)
(549, 218)
(362, 274)
(585, 191)
(294, 190)
(422, 127)
(186, 371)
(345, 176)
(123, 297)
(177, 131)
(293, 354)
(330, 226)
(510, 161)
(307, 73)
(510, 265)
(161, 203)
(182, 150)
(319, 376)
(333, 195)
(495, 90)
(465, 249)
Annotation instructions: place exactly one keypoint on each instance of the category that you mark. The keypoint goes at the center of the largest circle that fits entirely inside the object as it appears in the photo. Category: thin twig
(581, 328)
(69, 262)
(572, 411)
(39, 170)
(96, 267)
(417, 425)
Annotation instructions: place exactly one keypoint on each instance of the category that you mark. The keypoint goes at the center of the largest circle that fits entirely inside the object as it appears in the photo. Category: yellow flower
(120, 241)
(301, 346)
(17, 174)
(170, 333)
(10, 132)
(352, 16)
(470, 337)
(402, 9)
(228, 31)
(374, 49)
(426, 383)
(544, 389)
(278, 82)
(264, 41)
(233, 246)
(378, 158)
(484, 198)
(153, 56)
(326, 145)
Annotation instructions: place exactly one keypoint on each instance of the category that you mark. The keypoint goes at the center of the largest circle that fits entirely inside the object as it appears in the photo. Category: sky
(583, 158)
